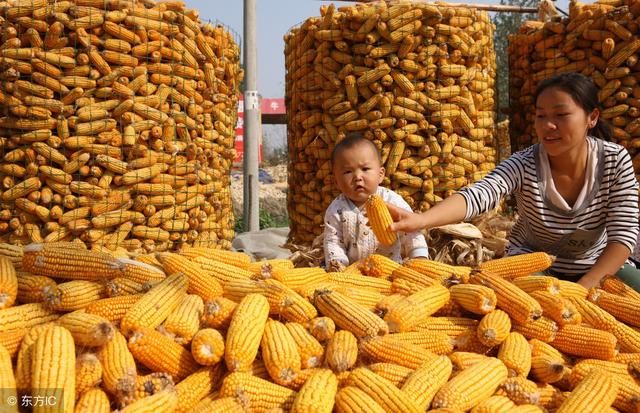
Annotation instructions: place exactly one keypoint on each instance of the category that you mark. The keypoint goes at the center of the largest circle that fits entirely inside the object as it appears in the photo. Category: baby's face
(358, 173)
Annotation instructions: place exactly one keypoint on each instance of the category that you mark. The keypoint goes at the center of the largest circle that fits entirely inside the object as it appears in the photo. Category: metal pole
(251, 121)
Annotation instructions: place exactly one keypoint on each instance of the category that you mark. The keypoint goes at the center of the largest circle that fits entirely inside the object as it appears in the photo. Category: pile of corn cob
(599, 40)
(416, 79)
(207, 330)
(118, 124)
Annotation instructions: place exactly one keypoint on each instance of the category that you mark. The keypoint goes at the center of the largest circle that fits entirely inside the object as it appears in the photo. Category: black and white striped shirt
(576, 237)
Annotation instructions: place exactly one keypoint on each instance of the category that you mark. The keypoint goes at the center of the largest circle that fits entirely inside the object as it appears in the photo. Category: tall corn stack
(599, 40)
(416, 79)
(489, 338)
(117, 124)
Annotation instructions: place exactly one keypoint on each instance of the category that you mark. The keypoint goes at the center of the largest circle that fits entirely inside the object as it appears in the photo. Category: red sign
(268, 106)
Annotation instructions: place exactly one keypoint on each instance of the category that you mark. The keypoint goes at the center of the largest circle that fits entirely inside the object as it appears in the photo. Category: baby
(358, 172)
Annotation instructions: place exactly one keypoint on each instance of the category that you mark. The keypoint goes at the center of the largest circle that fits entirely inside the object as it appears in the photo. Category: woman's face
(561, 124)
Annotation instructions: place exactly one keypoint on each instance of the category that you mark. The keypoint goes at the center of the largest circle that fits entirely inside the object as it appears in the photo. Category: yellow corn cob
(520, 306)
(617, 370)
(88, 372)
(586, 342)
(452, 326)
(197, 386)
(472, 385)
(184, 321)
(255, 393)
(518, 265)
(613, 285)
(280, 353)
(621, 307)
(118, 367)
(217, 312)
(464, 359)
(285, 302)
(596, 392)
(531, 283)
(317, 394)
(572, 289)
(296, 278)
(200, 283)
(113, 309)
(8, 283)
(436, 269)
(31, 287)
(87, 329)
(245, 332)
(360, 282)
(515, 353)
(342, 351)
(352, 399)
(378, 266)
(212, 403)
(54, 366)
(495, 404)
(322, 328)
(11, 340)
(139, 271)
(311, 351)
(207, 347)
(380, 219)
(388, 349)
(494, 328)
(349, 315)
(256, 267)
(73, 295)
(423, 383)
(436, 342)
(146, 345)
(543, 329)
(415, 309)
(546, 368)
(25, 316)
(152, 383)
(237, 259)
(557, 308)
(164, 401)
(223, 272)
(474, 298)
(395, 373)
(520, 390)
(7, 380)
(123, 286)
(94, 400)
(69, 263)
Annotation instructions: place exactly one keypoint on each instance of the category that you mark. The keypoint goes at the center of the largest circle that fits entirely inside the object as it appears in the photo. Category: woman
(576, 193)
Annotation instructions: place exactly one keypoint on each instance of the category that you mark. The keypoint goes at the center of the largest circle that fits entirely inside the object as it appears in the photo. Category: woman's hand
(405, 221)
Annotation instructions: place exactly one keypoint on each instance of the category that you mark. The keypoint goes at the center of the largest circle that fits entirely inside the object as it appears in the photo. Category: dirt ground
(273, 196)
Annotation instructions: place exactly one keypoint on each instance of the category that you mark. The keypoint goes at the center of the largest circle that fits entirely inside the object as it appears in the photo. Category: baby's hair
(352, 140)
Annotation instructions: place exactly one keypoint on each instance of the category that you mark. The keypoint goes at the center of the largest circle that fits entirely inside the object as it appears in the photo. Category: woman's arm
(612, 258)
(451, 210)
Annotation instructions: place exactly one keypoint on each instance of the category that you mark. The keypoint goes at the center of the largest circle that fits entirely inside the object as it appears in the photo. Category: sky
(274, 19)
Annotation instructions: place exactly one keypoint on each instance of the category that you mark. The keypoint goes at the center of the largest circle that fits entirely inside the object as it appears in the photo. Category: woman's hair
(584, 92)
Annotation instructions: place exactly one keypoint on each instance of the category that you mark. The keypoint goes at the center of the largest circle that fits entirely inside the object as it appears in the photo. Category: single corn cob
(586, 342)
(113, 309)
(69, 263)
(322, 328)
(200, 282)
(494, 328)
(572, 289)
(469, 341)
(255, 394)
(146, 345)
(256, 267)
(217, 312)
(53, 367)
(123, 286)
(434, 341)
(31, 287)
(140, 272)
(7, 381)
(311, 351)
(557, 308)
(224, 272)
(342, 351)
(164, 298)
(94, 400)
(184, 321)
(317, 394)
(280, 353)
(388, 349)
(495, 404)
(436, 269)
(11, 340)
(8, 283)
(238, 259)
(296, 278)
(152, 383)
(423, 383)
(349, 315)
(472, 385)
(415, 277)
(476, 299)
(215, 404)
(360, 282)
(377, 265)
(26, 316)
(164, 401)
(395, 373)
(415, 309)
(614, 285)
(543, 329)
(245, 332)
(351, 399)
(515, 353)
(73, 295)
(118, 368)
(520, 306)
(520, 390)
(531, 283)
(207, 347)
(452, 326)
(23, 370)
(464, 359)
(518, 265)
(621, 307)
(596, 392)
(388, 396)
(546, 368)
(582, 368)
(88, 372)
(87, 329)
(287, 303)
(197, 386)
(380, 219)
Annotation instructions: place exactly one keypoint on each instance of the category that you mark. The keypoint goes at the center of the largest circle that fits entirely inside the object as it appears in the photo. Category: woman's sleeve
(485, 194)
(622, 208)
